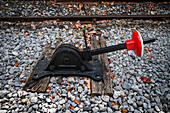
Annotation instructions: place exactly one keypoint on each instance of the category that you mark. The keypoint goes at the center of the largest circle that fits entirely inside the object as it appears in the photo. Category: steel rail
(70, 1)
(86, 18)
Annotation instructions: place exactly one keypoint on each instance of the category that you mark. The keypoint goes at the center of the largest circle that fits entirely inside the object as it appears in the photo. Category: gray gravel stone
(115, 107)
(105, 98)
(34, 99)
(62, 101)
(126, 85)
(52, 110)
(135, 87)
(109, 110)
(3, 111)
(80, 89)
(95, 109)
(118, 88)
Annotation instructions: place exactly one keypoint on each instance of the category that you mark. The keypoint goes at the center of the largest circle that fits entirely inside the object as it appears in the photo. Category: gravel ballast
(52, 8)
(22, 43)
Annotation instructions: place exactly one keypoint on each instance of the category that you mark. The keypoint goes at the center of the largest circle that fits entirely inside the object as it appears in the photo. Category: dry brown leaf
(125, 52)
(87, 82)
(77, 101)
(40, 34)
(7, 47)
(111, 74)
(26, 35)
(22, 81)
(69, 90)
(107, 32)
(74, 34)
(92, 32)
(71, 107)
(54, 5)
(89, 25)
(147, 48)
(124, 111)
(144, 79)
(16, 64)
(30, 6)
(58, 94)
(115, 104)
(32, 25)
(149, 55)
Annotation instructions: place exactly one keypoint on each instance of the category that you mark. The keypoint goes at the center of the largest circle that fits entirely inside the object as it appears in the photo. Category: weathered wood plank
(96, 87)
(41, 84)
(107, 81)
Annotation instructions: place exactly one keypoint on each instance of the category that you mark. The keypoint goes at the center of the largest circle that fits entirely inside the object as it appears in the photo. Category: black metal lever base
(67, 61)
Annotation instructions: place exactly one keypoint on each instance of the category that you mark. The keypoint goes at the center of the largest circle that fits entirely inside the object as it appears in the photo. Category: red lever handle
(136, 43)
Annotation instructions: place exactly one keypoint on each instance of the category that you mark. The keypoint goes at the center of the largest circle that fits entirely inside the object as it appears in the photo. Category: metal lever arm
(115, 47)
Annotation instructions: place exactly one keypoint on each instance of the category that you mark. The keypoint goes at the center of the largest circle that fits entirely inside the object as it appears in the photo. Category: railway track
(86, 18)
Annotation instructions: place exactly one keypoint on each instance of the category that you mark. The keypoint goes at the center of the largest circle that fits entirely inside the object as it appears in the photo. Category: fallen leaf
(115, 104)
(124, 110)
(26, 35)
(125, 52)
(149, 55)
(40, 34)
(7, 47)
(51, 97)
(30, 6)
(144, 79)
(16, 64)
(107, 32)
(92, 32)
(54, 5)
(32, 25)
(147, 48)
(89, 25)
(111, 74)
(87, 82)
(77, 101)
(22, 81)
(70, 89)
(71, 107)
(109, 61)
(24, 100)
(49, 88)
(58, 94)
(74, 34)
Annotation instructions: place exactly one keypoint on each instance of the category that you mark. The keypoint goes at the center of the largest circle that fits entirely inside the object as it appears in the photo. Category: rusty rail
(86, 18)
